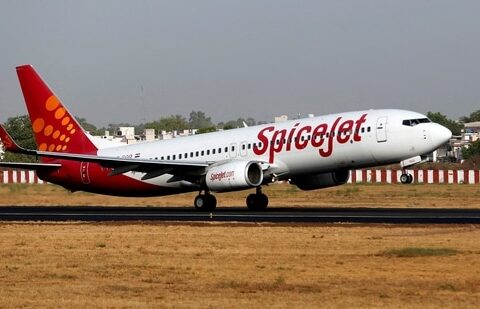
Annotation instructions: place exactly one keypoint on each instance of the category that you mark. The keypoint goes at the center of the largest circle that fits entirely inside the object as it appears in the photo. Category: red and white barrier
(419, 176)
(358, 176)
(19, 176)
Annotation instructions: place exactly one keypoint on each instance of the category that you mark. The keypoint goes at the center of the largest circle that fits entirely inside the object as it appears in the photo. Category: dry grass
(243, 265)
(280, 195)
(220, 265)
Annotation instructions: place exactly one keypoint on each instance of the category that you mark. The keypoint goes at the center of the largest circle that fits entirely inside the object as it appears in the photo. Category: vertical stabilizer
(55, 129)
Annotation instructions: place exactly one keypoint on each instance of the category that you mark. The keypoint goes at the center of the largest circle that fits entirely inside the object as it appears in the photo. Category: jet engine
(320, 181)
(234, 175)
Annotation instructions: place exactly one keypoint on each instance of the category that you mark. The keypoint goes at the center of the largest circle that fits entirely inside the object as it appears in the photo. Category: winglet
(10, 144)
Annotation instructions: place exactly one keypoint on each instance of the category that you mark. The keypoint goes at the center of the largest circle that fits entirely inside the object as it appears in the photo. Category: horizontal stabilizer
(10, 144)
(30, 166)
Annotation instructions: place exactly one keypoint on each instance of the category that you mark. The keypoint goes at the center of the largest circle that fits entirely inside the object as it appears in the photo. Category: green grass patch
(419, 252)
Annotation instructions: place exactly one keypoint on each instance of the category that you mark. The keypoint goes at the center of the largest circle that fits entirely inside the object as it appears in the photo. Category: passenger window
(368, 129)
(173, 157)
(179, 157)
(213, 151)
(191, 154)
(168, 157)
(196, 154)
(203, 153)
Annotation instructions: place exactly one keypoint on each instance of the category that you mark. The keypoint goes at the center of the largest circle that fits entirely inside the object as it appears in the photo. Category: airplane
(311, 153)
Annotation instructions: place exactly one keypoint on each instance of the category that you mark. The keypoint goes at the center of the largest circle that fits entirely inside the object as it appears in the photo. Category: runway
(240, 214)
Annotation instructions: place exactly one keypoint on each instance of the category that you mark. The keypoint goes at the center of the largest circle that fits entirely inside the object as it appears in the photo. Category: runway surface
(240, 214)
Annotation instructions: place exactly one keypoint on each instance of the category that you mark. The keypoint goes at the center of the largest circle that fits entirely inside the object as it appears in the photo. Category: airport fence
(419, 176)
(8, 176)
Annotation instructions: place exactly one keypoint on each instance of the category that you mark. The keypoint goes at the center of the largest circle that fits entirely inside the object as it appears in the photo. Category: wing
(179, 169)
(182, 170)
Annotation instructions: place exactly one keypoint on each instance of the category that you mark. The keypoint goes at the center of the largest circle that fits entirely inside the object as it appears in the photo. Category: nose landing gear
(406, 178)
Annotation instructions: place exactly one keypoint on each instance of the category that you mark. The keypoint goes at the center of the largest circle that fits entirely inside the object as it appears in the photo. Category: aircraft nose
(439, 134)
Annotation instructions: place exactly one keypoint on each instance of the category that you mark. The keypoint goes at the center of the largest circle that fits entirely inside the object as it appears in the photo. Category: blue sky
(245, 58)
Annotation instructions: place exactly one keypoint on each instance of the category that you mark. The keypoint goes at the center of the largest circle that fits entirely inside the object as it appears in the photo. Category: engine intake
(320, 181)
(234, 175)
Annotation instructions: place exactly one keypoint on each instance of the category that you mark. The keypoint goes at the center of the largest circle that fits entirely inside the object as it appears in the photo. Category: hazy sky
(243, 58)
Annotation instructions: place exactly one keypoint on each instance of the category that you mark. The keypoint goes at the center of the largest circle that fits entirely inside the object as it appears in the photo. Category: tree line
(197, 120)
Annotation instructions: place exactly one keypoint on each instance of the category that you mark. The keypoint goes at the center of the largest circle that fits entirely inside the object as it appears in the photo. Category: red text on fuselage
(272, 140)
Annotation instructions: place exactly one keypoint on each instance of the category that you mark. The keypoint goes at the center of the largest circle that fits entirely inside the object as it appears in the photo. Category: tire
(404, 178)
(257, 202)
(200, 202)
(410, 178)
(211, 202)
(205, 202)
(251, 201)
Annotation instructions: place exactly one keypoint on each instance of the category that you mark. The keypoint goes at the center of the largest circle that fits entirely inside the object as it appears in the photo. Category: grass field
(243, 265)
(280, 195)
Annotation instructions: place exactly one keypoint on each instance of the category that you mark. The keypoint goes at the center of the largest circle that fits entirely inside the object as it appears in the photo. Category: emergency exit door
(382, 129)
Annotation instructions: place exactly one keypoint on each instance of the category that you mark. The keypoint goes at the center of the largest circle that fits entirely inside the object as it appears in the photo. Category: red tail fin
(54, 127)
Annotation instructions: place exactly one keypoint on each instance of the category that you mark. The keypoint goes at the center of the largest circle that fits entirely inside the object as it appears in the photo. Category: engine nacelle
(234, 175)
(320, 181)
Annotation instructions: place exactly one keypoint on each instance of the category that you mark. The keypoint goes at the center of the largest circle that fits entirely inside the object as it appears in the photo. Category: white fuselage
(303, 146)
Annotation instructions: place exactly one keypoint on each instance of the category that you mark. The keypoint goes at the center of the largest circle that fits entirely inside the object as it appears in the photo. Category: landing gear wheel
(257, 201)
(205, 202)
(406, 178)
(410, 178)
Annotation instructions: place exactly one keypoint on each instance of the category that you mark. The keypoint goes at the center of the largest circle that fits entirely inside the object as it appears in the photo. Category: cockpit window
(414, 122)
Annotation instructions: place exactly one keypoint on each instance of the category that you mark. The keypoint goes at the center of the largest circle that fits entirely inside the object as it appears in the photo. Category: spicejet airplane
(311, 153)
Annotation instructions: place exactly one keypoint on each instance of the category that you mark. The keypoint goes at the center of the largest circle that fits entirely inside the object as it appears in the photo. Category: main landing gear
(205, 202)
(406, 178)
(208, 202)
(257, 201)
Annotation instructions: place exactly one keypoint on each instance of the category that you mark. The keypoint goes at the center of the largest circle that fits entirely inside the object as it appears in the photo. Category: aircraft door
(382, 129)
(84, 173)
(232, 150)
(243, 149)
